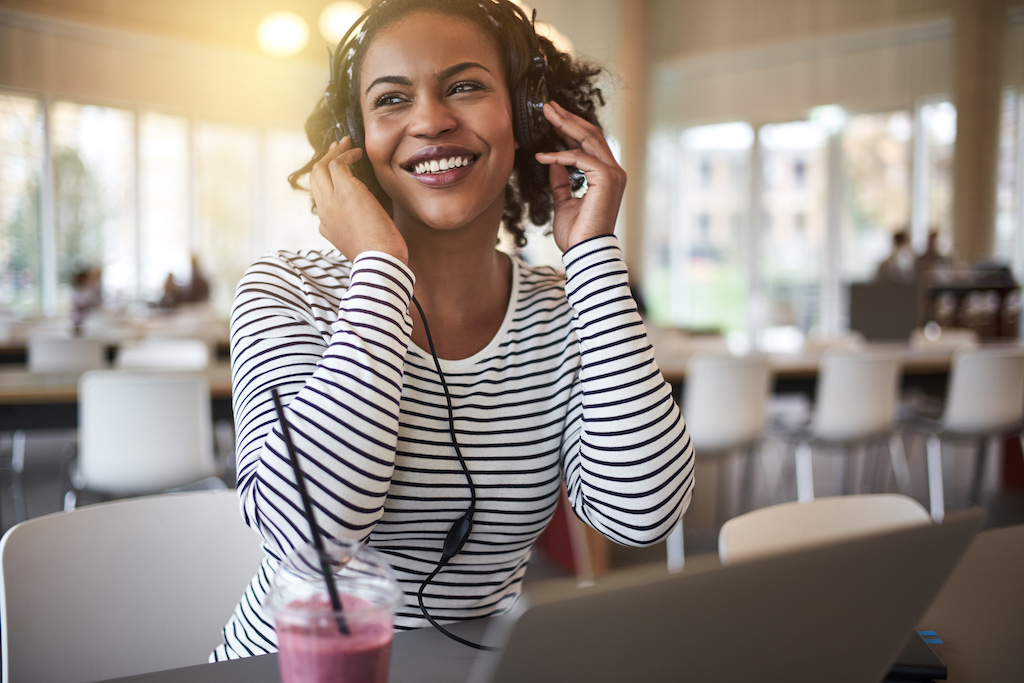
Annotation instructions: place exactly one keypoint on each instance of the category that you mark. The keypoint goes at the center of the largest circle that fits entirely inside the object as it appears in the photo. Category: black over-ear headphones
(532, 131)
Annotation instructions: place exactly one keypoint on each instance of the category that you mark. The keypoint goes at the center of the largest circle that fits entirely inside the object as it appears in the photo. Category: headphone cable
(459, 532)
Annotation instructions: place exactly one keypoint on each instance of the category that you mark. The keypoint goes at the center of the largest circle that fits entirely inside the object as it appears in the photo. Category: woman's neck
(464, 290)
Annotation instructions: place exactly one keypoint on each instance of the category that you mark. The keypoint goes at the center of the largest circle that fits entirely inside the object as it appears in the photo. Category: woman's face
(438, 121)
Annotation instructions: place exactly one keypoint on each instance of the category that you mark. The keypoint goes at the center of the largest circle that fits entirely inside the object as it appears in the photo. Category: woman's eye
(387, 100)
(465, 86)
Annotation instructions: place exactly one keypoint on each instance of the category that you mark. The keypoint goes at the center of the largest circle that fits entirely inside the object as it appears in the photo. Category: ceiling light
(282, 34)
(337, 18)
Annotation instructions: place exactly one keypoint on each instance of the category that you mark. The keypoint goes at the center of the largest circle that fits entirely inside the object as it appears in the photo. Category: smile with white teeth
(441, 165)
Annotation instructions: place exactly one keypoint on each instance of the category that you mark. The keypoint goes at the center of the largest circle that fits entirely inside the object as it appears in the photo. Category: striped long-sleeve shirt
(567, 389)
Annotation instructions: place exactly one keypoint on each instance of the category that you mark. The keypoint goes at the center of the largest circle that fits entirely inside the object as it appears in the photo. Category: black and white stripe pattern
(568, 389)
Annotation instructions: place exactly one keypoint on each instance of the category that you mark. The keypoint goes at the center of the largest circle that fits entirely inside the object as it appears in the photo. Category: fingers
(578, 133)
(561, 188)
(329, 173)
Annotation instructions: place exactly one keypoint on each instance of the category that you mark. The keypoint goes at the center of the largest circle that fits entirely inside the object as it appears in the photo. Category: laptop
(837, 612)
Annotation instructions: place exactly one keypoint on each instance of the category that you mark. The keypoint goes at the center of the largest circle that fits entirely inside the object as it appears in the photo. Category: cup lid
(299, 589)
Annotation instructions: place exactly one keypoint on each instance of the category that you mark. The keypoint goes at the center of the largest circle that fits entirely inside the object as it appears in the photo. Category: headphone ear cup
(354, 129)
(521, 121)
(532, 130)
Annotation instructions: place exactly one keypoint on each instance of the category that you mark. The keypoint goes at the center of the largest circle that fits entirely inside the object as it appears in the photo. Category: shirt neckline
(499, 336)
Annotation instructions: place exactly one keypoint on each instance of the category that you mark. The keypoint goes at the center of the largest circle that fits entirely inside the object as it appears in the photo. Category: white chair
(724, 405)
(795, 525)
(122, 588)
(984, 400)
(163, 353)
(49, 352)
(857, 395)
(65, 354)
(143, 432)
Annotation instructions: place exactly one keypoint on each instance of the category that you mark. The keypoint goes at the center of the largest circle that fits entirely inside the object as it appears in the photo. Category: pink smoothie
(318, 653)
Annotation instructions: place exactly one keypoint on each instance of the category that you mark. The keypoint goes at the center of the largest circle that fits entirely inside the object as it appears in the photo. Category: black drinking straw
(318, 542)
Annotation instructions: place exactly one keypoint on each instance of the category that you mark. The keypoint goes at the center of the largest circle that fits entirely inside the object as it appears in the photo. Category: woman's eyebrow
(459, 68)
(394, 80)
(443, 75)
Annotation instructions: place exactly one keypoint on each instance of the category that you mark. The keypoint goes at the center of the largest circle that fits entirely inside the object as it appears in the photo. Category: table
(42, 400)
(923, 369)
(979, 614)
(420, 656)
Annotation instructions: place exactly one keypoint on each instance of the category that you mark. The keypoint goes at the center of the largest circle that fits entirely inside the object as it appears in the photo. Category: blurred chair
(725, 402)
(163, 353)
(984, 400)
(143, 432)
(48, 353)
(857, 395)
(795, 525)
(122, 588)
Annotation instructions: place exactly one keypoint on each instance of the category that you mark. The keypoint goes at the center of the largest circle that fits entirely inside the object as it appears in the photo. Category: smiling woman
(444, 446)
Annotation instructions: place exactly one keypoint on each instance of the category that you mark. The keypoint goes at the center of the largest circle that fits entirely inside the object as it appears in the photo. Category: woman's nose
(432, 117)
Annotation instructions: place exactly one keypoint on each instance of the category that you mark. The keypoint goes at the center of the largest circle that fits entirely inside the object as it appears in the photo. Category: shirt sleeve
(627, 457)
(341, 394)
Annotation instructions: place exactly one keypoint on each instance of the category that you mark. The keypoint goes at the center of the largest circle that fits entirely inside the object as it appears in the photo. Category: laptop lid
(837, 612)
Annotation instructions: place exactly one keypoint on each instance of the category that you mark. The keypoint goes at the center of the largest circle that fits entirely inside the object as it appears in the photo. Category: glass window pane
(164, 196)
(1008, 227)
(228, 172)
(93, 170)
(21, 171)
(876, 170)
(697, 255)
(794, 210)
(939, 122)
(290, 224)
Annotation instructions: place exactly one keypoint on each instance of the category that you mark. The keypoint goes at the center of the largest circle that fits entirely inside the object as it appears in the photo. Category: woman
(464, 407)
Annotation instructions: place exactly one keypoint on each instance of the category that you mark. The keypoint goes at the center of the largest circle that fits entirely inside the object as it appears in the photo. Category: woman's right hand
(351, 218)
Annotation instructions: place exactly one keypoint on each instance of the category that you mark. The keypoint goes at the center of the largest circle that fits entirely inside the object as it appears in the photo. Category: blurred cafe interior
(806, 178)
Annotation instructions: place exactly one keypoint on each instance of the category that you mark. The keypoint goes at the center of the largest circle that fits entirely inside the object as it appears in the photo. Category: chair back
(725, 400)
(986, 390)
(122, 588)
(48, 353)
(857, 395)
(791, 526)
(163, 353)
(143, 431)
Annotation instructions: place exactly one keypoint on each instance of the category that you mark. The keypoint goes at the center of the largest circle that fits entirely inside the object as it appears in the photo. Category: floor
(714, 500)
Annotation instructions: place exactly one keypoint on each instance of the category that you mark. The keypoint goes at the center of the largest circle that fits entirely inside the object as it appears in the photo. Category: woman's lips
(441, 166)
(444, 178)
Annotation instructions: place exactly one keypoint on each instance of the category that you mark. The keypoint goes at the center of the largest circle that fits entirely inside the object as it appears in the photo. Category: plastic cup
(312, 647)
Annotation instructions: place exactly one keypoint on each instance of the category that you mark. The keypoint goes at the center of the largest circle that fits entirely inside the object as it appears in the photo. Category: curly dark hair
(570, 82)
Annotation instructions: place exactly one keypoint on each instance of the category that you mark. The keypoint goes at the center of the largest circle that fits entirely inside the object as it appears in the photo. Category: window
(94, 197)
(230, 236)
(164, 232)
(876, 173)
(799, 174)
(829, 195)
(934, 171)
(1010, 187)
(791, 254)
(701, 282)
(294, 226)
(21, 175)
(136, 193)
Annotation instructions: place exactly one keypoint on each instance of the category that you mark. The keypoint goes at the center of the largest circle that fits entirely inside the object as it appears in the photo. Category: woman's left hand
(580, 218)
